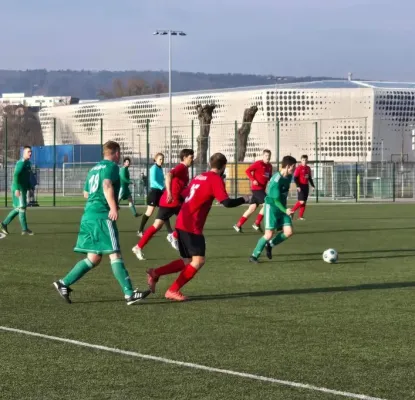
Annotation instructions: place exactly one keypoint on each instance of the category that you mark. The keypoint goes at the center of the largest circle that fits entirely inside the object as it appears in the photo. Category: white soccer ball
(330, 256)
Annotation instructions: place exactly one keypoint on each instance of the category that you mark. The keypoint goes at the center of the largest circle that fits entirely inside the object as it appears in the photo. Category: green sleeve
(125, 176)
(17, 182)
(275, 194)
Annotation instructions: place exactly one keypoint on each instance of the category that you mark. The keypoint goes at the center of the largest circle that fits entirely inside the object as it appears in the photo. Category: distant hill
(88, 84)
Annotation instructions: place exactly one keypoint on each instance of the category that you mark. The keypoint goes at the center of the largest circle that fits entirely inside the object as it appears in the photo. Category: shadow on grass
(288, 292)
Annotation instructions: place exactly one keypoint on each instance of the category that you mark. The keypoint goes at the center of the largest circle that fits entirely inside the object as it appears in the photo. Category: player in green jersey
(276, 214)
(20, 186)
(125, 193)
(98, 233)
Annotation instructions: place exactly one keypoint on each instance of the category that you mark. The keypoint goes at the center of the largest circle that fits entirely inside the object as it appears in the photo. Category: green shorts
(19, 202)
(275, 219)
(98, 236)
(124, 194)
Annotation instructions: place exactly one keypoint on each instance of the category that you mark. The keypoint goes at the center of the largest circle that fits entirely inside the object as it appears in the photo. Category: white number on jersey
(93, 183)
(193, 189)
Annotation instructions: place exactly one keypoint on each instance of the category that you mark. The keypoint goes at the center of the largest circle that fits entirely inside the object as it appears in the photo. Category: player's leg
(11, 215)
(172, 235)
(144, 219)
(251, 209)
(22, 213)
(122, 276)
(304, 191)
(287, 231)
(270, 225)
(192, 248)
(260, 198)
(131, 206)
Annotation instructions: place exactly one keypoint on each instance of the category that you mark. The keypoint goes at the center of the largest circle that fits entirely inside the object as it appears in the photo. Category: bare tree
(244, 131)
(204, 114)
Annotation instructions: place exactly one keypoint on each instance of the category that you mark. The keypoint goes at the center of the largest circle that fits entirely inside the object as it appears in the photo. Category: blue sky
(372, 38)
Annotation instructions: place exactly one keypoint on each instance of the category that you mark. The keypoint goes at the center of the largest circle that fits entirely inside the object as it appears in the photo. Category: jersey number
(93, 183)
(192, 193)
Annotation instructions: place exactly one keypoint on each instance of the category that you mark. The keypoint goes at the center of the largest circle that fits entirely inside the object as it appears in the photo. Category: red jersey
(303, 174)
(260, 172)
(203, 189)
(179, 180)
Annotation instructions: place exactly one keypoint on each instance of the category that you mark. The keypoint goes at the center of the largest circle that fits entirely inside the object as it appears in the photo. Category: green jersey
(21, 177)
(97, 206)
(125, 178)
(278, 188)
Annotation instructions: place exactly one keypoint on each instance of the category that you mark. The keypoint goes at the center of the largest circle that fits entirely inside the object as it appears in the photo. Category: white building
(36, 101)
(356, 120)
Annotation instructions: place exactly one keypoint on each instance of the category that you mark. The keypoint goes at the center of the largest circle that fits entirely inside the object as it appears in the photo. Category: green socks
(11, 216)
(276, 240)
(132, 208)
(121, 274)
(77, 272)
(259, 247)
(22, 218)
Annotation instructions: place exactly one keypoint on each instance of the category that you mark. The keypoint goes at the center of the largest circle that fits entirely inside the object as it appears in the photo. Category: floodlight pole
(170, 33)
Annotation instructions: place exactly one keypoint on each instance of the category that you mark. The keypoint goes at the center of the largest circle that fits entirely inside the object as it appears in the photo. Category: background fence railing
(62, 159)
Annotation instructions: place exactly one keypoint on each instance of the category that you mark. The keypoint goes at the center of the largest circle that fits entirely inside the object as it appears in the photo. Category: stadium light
(170, 33)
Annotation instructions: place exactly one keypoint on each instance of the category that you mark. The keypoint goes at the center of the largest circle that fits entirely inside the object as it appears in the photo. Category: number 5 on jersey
(193, 189)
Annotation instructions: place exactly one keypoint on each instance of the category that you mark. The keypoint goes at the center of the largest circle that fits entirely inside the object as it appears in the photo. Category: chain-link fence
(63, 160)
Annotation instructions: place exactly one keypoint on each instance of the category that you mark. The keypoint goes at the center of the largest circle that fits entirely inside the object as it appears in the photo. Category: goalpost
(73, 177)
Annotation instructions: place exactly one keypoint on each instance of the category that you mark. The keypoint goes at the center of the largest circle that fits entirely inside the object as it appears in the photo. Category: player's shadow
(333, 289)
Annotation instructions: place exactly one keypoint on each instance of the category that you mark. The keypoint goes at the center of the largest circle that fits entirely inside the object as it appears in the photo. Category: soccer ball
(330, 256)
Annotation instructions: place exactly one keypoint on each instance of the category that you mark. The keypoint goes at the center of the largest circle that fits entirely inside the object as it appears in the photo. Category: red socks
(185, 276)
(241, 221)
(296, 206)
(170, 268)
(148, 234)
(302, 209)
(259, 218)
(175, 234)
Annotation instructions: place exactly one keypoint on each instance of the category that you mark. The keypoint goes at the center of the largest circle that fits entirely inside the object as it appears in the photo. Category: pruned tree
(23, 128)
(133, 87)
(244, 131)
(204, 114)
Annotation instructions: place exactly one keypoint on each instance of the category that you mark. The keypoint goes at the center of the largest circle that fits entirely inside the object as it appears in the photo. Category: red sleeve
(219, 190)
(297, 171)
(250, 169)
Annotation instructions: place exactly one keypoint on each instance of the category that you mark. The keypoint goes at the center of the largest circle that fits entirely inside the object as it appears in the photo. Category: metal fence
(62, 181)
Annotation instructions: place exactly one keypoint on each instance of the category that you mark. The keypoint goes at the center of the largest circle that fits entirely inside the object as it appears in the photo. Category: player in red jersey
(302, 178)
(170, 202)
(259, 173)
(199, 196)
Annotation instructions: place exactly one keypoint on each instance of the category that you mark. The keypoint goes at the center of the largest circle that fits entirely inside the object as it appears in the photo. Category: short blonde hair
(111, 147)
(157, 155)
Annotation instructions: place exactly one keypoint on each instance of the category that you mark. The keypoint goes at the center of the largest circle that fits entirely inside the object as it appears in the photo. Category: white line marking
(194, 366)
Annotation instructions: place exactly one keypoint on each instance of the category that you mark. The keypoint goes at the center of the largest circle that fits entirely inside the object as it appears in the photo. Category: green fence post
(5, 161)
(148, 153)
(357, 182)
(316, 145)
(54, 162)
(236, 159)
(101, 131)
(277, 153)
(393, 182)
(193, 138)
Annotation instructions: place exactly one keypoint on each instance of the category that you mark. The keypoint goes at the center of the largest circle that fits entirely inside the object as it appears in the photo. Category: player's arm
(297, 177)
(221, 196)
(169, 178)
(250, 172)
(17, 177)
(153, 175)
(86, 188)
(310, 179)
(274, 193)
(110, 197)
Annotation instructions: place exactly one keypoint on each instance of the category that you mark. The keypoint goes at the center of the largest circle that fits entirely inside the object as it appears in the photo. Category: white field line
(192, 365)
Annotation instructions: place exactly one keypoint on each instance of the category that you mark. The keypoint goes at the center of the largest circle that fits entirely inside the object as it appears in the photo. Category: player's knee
(302, 202)
(198, 262)
(95, 259)
(22, 209)
(288, 231)
(149, 211)
(268, 235)
(158, 223)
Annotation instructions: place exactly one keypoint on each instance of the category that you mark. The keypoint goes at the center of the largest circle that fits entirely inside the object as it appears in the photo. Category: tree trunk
(244, 131)
(204, 115)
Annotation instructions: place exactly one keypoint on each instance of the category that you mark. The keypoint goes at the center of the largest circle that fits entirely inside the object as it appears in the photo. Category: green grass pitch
(348, 327)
